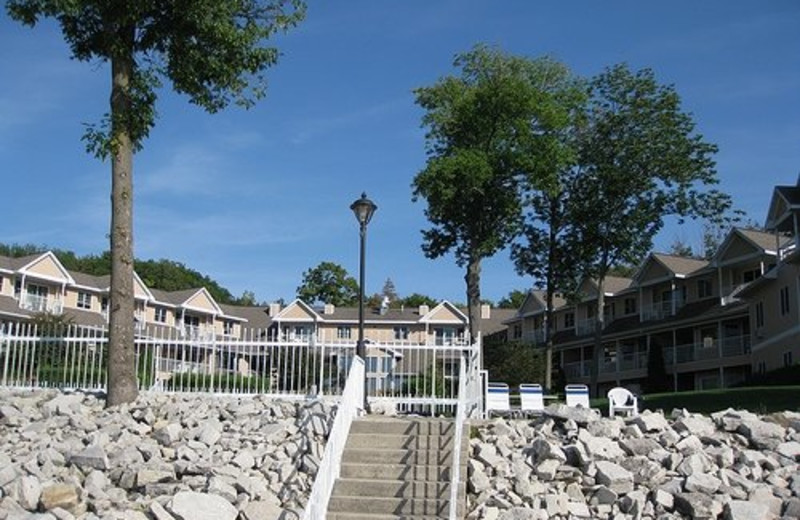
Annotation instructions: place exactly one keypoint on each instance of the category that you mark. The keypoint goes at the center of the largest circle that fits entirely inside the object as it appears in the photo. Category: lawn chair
(622, 400)
(577, 395)
(498, 399)
(531, 399)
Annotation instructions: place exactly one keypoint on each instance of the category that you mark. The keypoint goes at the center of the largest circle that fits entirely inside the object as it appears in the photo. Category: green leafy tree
(417, 299)
(513, 300)
(484, 139)
(328, 283)
(640, 160)
(213, 51)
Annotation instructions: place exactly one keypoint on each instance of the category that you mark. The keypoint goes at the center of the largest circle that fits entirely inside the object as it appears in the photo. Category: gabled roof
(784, 203)
(286, 313)
(535, 302)
(27, 264)
(445, 312)
(740, 240)
(183, 299)
(674, 266)
(256, 317)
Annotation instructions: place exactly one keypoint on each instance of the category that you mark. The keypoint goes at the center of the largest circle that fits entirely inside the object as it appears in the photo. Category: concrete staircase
(397, 468)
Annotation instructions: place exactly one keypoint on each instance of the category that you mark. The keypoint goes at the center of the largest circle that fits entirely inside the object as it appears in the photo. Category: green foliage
(417, 299)
(389, 290)
(514, 363)
(513, 300)
(328, 283)
(213, 51)
(488, 134)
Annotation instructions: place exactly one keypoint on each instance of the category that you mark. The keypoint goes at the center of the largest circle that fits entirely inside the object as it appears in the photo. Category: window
(787, 358)
(759, 314)
(444, 335)
(761, 367)
(227, 327)
(703, 288)
(84, 300)
(517, 331)
(160, 314)
(610, 311)
(1, 284)
(569, 320)
(401, 333)
(630, 305)
(785, 300)
(344, 332)
(104, 304)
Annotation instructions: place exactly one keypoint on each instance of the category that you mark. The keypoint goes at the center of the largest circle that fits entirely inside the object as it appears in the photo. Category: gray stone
(614, 476)
(698, 506)
(261, 511)
(744, 510)
(92, 457)
(190, 505)
(65, 496)
(650, 422)
(702, 483)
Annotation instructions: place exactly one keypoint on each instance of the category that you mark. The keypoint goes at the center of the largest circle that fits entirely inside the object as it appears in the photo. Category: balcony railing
(36, 303)
(577, 370)
(707, 350)
(661, 310)
(533, 336)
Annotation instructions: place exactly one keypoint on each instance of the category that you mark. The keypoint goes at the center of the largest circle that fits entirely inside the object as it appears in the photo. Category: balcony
(36, 303)
(198, 333)
(708, 350)
(661, 310)
(577, 370)
(535, 336)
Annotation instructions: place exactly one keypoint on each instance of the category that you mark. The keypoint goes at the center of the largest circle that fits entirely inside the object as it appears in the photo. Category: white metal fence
(415, 377)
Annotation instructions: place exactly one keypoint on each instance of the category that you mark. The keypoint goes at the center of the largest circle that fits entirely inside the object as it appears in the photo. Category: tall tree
(214, 51)
(389, 290)
(483, 140)
(640, 160)
(513, 300)
(328, 283)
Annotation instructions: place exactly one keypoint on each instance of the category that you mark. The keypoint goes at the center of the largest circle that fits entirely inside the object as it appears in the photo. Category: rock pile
(573, 464)
(164, 457)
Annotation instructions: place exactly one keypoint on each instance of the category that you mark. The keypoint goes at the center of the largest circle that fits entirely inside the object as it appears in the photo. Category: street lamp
(363, 209)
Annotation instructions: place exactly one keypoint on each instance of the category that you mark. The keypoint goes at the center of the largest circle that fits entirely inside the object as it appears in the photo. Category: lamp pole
(363, 209)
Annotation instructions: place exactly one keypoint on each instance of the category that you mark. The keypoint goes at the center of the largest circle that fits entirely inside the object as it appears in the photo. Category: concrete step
(391, 488)
(400, 440)
(397, 471)
(352, 505)
(398, 456)
(390, 425)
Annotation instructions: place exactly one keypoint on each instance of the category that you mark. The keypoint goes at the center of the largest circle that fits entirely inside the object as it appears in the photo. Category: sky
(254, 198)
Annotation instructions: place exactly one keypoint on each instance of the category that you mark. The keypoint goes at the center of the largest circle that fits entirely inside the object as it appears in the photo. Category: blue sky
(254, 198)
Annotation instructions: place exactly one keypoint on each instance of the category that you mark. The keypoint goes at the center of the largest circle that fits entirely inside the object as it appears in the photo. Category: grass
(762, 400)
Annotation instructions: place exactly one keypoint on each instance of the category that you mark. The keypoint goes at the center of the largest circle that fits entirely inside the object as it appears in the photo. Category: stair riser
(391, 489)
(389, 441)
(414, 458)
(403, 427)
(395, 472)
(388, 506)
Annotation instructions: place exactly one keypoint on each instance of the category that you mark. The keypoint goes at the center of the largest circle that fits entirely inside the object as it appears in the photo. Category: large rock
(189, 505)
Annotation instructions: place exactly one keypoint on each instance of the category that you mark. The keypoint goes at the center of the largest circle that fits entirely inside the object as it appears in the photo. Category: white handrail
(328, 472)
(461, 413)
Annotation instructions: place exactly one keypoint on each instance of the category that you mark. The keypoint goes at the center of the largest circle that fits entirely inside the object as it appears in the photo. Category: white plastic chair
(622, 400)
(498, 399)
(577, 395)
(531, 398)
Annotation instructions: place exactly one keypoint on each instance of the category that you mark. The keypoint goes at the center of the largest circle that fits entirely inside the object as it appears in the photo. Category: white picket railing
(351, 403)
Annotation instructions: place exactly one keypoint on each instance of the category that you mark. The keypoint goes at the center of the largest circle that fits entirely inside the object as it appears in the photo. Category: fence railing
(414, 376)
(351, 402)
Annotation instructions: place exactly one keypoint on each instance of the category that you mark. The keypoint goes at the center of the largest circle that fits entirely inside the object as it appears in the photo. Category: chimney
(274, 309)
(329, 308)
(423, 310)
(486, 311)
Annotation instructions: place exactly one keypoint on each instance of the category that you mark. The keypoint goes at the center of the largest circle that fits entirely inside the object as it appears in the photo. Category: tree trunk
(555, 224)
(473, 279)
(122, 386)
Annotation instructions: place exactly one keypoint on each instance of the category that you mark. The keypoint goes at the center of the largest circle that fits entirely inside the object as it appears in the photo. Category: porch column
(674, 360)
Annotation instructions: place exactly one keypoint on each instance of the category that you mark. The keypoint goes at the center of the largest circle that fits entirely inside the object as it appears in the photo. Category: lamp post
(363, 209)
